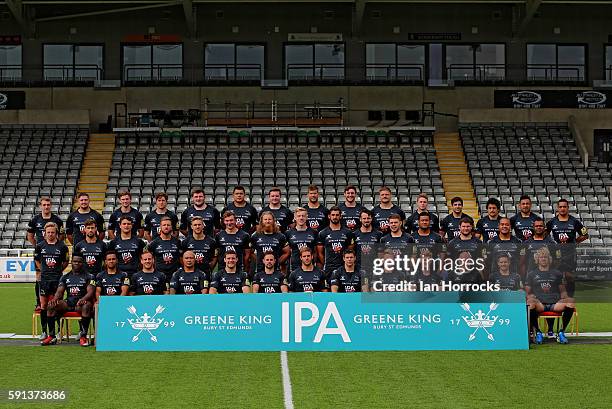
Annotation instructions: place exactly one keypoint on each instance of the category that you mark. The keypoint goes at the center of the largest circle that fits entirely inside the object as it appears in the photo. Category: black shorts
(71, 302)
(549, 307)
(48, 287)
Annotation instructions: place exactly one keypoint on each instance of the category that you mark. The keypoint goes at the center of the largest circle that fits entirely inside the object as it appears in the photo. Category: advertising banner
(575, 99)
(17, 270)
(12, 100)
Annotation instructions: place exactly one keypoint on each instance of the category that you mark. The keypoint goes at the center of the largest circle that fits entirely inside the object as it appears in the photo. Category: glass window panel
(137, 62)
(571, 62)
(89, 61)
(460, 62)
(219, 61)
(302, 55)
(541, 61)
(435, 62)
(491, 61)
(380, 60)
(58, 61)
(411, 61)
(251, 59)
(10, 62)
(329, 60)
(168, 61)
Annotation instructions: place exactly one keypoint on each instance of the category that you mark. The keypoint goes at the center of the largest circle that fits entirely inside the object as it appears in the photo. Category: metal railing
(311, 72)
(556, 72)
(233, 72)
(71, 72)
(149, 72)
(476, 72)
(395, 72)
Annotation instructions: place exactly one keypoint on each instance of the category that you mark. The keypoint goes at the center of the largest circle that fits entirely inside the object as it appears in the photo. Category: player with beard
(449, 226)
(233, 238)
(153, 219)
(271, 280)
(466, 243)
(506, 278)
(204, 248)
(126, 209)
(539, 239)
(75, 224)
(522, 222)
(300, 236)
(148, 281)
(166, 249)
(229, 280)
(384, 209)
(92, 249)
(504, 243)
(317, 213)
(398, 240)
(307, 277)
(428, 240)
(268, 237)
(188, 279)
(199, 207)
(128, 247)
(346, 279)
(422, 204)
(245, 213)
(488, 227)
(332, 242)
(351, 210)
(111, 281)
(282, 215)
(366, 239)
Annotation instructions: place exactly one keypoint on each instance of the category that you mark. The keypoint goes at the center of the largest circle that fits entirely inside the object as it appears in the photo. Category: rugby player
(546, 291)
(390, 279)
(301, 235)
(346, 279)
(207, 212)
(332, 242)
(271, 280)
(397, 239)
(233, 238)
(539, 239)
(384, 209)
(351, 210)
(449, 226)
(80, 288)
(166, 249)
(153, 219)
(188, 279)
(125, 209)
(412, 223)
(428, 240)
(504, 243)
(318, 218)
(506, 278)
(366, 239)
(268, 237)
(230, 280)
(307, 277)
(111, 281)
(245, 213)
(92, 249)
(128, 247)
(466, 243)
(488, 227)
(148, 281)
(51, 258)
(282, 215)
(522, 222)
(75, 224)
(203, 247)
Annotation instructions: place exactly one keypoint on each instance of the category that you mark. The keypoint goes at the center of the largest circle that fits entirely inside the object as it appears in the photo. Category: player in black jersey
(351, 210)
(210, 215)
(204, 247)
(384, 209)
(268, 237)
(153, 219)
(397, 240)
(188, 279)
(539, 239)
(422, 206)
(111, 281)
(80, 288)
(522, 222)
(488, 227)
(567, 231)
(300, 236)
(389, 279)
(92, 249)
(449, 226)
(504, 277)
(166, 249)
(546, 291)
(51, 258)
(504, 243)
(366, 238)
(271, 280)
(346, 279)
(230, 280)
(317, 213)
(307, 277)
(428, 240)
(148, 281)
(332, 242)
(126, 209)
(128, 247)
(245, 213)
(36, 230)
(282, 215)
(233, 238)
(464, 244)
(427, 275)
(75, 224)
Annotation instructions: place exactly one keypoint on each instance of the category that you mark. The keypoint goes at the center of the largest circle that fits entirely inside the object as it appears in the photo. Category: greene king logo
(480, 320)
(145, 323)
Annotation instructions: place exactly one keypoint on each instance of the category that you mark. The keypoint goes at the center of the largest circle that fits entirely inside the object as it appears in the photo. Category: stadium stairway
(96, 168)
(454, 172)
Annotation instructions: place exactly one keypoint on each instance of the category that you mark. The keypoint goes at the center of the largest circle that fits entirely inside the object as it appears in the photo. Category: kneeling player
(346, 279)
(80, 287)
(111, 281)
(188, 280)
(307, 277)
(149, 281)
(546, 292)
(271, 280)
(229, 280)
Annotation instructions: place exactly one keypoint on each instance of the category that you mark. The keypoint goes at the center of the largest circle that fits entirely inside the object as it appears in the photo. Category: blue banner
(313, 322)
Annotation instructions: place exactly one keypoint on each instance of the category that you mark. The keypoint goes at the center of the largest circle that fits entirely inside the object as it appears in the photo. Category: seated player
(111, 281)
(426, 276)
(346, 279)
(466, 270)
(187, 279)
(504, 276)
(148, 281)
(80, 288)
(390, 277)
(271, 280)
(230, 280)
(546, 291)
(307, 277)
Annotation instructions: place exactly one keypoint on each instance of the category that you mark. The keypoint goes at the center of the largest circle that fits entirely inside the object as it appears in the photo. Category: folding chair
(557, 317)
(65, 321)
